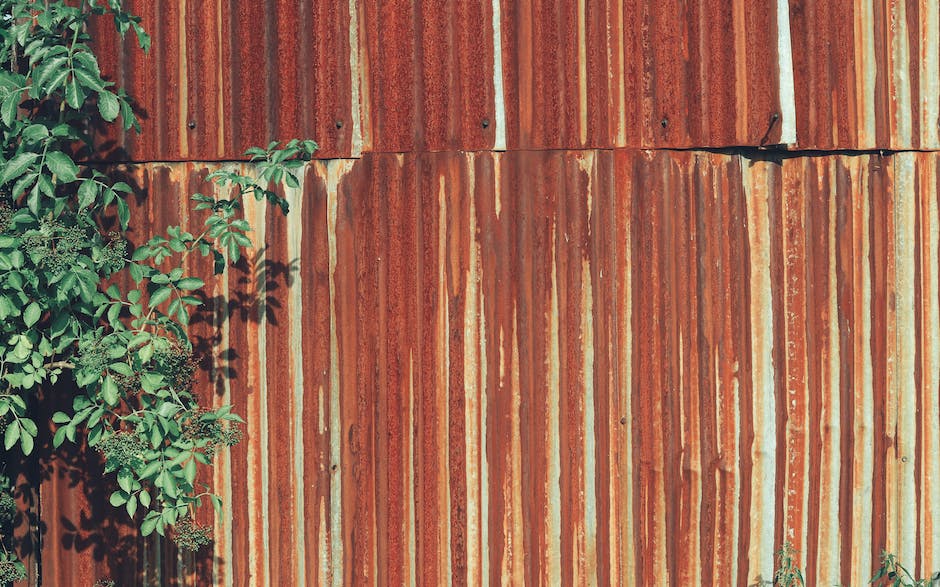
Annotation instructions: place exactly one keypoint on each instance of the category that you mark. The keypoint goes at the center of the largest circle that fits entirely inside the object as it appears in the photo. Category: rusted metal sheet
(867, 73)
(437, 75)
(226, 75)
(631, 367)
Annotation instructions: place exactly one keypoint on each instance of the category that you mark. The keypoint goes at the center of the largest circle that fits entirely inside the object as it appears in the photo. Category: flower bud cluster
(189, 535)
(123, 449)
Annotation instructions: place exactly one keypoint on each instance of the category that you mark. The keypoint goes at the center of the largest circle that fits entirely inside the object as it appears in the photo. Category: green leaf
(31, 314)
(109, 391)
(132, 506)
(151, 382)
(124, 213)
(114, 314)
(58, 438)
(218, 262)
(189, 471)
(145, 498)
(26, 443)
(148, 525)
(35, 132)
(29, 427)
(136, 271)
(88, 80)
(9, 107)
(190, 283)
(143, 39)
(17, 166)
(146, 353)
(11, 435)
(122, 369)
(61, 418)
(127, 116)
(62, 165)
(74, 94)
(118, 498)
(168, 409)
(125, 479)
(160, 296)
(87, 192)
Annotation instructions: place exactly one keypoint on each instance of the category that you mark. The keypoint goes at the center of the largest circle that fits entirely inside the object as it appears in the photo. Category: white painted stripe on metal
(553, 480)
(785, 71)
(867, 68)
(929, 78)
(590, 441)
(499, 144)
(899, 75)
(828, 571)
(764, 447)
(905, 353)
(356, 84)
(295, 305)
(473, 390)
(582, 74)
(334, 175)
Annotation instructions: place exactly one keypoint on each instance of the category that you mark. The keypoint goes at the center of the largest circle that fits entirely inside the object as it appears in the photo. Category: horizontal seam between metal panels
(742, 151)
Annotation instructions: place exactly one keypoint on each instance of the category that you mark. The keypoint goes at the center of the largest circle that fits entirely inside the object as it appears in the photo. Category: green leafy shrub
(890, 574)
(124, 350)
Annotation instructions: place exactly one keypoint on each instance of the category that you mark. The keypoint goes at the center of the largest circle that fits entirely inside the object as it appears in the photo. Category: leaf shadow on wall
(74, 525)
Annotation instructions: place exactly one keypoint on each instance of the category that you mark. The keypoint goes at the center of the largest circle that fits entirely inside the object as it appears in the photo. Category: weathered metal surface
(867, 73)
(227, 75)
(418, 75)
(633, 367)
(437, 75)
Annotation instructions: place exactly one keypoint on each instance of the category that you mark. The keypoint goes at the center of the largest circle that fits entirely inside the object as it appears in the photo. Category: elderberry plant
(63, 252)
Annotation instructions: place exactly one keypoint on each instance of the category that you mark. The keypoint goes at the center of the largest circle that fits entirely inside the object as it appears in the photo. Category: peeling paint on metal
(183, 111)
(785, 73)
(553, 523)
(355, 98)
(499, 106)
(905, 390)
(862, 413)
(589, 515)
(764, 446)
(866, 67)
(336, 569)
(929, 37)
(900, 60)
(929, 502)
(296, 254)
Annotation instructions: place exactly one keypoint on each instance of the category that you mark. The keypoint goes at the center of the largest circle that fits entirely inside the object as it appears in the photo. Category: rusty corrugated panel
(437, 75)
(227, 75)
(434, 75)
(867, 73)
(625, 367)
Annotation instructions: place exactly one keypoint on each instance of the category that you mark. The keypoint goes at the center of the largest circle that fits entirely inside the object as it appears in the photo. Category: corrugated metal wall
(494, 342)
(440, 75)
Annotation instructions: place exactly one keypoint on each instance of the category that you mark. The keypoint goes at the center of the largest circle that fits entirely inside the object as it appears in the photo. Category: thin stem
(59, 365)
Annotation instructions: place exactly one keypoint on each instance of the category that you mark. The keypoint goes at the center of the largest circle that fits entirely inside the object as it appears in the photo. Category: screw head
(485, 123)
(664, 122)
(191, 124)
(339, 124)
